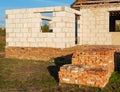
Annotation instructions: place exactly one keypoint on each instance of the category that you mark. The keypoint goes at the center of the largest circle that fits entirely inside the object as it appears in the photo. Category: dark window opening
(114, 24)
(76, 28)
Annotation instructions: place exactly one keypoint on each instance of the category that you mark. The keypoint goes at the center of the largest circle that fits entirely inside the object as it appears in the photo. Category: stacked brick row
(90, 67)
(95, 58)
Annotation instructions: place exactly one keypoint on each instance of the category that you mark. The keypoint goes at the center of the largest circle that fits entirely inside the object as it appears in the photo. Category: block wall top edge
(71, 10)
(43, 9)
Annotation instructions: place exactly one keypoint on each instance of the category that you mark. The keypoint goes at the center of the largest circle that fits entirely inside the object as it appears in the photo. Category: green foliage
(45, 28)
(2, 33)
(117, 28)
(2, 47)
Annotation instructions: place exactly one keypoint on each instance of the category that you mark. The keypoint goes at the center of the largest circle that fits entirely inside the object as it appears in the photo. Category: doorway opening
(76, 28)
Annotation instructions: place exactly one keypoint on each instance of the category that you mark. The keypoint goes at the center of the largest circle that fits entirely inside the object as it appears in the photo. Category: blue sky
(15, 4)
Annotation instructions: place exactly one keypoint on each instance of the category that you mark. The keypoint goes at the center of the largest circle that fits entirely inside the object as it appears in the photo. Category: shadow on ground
(117, 61)
(53, 70)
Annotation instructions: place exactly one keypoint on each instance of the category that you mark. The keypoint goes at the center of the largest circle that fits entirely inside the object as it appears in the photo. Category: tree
(45, 28)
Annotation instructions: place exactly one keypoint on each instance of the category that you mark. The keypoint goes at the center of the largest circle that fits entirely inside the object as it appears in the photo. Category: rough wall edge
(46, 9)
(46, 54)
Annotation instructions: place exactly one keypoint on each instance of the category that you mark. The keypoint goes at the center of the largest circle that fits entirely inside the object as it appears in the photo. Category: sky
(18, 4)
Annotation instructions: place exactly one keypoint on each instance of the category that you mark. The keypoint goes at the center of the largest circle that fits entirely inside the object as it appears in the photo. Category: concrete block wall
(23, 28)
(64, 29)
(94, 25)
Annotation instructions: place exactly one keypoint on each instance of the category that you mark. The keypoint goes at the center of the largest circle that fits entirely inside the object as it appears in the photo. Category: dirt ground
(47, 54)
(67, 52)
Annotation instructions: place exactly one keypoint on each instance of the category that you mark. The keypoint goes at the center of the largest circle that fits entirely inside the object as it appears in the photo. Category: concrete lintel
(46, 18)
(57, 9)
(43, 10)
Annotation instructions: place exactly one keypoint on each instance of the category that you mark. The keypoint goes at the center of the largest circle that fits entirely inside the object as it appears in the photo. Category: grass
(39, 76)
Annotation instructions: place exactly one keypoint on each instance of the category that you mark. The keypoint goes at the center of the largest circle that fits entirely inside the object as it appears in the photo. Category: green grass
(26, 75)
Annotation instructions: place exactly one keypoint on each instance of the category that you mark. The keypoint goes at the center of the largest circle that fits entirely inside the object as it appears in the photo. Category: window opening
(47, 24)
(114, 25)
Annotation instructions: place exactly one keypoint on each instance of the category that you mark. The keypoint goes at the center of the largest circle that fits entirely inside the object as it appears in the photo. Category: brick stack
(89, 67)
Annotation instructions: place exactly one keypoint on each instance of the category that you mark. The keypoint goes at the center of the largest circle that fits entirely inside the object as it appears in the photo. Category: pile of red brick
(89, 67)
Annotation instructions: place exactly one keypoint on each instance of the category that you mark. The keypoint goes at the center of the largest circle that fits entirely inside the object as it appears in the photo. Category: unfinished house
(99, 22)
(87, 22)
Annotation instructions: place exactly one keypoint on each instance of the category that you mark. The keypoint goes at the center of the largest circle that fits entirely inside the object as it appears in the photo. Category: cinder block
(17, 30)
(11, 44)
(60, 35)
(49, 35)
(25, 25)
(34, 34)
(23, 40)
(27, 34)
(57, 19)
(9, 30)
(36, 30)
(57, 30)
(25, 15)
(16, 39)
(9, 39)
(36, 20)
(16, 20)
(29, 20)
(19, 44)
(19, 25)
(39, 40)
(9, 21)
(33, 44)
(60, 45)
(25, 44)
(23, 21)
(42, 35)
(60, 14)
(49, 40)
(11, 34)
(11, 25)
(60, 24)
(24, 30)
(19, 35)
(44, 44)
(30, 15)
(57, 40)
(12, 16)
(31, 40)
(53, 45)
(19, 16)
(57, 8)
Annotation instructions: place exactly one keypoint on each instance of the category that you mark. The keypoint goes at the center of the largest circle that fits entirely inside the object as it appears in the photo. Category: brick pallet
(89, 67)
